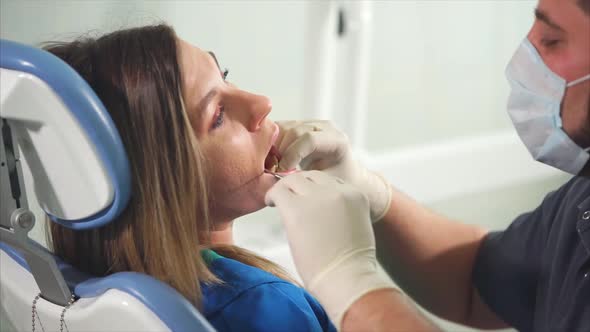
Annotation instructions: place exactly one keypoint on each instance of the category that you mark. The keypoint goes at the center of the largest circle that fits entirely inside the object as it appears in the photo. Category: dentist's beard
(586, 132)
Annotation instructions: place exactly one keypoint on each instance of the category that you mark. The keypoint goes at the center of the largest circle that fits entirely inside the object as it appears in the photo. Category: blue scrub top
(250, 299)
(535, 275)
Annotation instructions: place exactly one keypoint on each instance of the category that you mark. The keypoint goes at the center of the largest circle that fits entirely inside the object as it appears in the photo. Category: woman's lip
(275, 134)
(273, 139)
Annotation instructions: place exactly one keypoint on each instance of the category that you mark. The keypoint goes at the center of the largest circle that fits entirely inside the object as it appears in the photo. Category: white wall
(261, 42)
(439, 66)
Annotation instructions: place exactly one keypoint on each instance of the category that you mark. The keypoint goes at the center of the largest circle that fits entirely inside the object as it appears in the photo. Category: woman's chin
(266, 181)
(248, 199)
(256, 194)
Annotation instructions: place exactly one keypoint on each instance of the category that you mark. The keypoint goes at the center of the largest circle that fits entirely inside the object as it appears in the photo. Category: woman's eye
(225, 73)
(219, 119)
(550, 43)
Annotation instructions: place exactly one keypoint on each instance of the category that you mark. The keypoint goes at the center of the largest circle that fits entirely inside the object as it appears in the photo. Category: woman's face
(234, 134)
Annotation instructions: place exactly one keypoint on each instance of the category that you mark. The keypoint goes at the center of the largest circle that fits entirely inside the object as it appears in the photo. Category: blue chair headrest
(91, 115)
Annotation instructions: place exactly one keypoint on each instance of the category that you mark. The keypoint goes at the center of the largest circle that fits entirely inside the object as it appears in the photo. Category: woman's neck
(222, 233)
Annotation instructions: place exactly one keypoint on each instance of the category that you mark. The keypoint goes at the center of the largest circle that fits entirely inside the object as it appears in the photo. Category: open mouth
(273, 158)
(271, 163)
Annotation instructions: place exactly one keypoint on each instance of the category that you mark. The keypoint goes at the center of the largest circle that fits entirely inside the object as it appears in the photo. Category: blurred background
(417, 85)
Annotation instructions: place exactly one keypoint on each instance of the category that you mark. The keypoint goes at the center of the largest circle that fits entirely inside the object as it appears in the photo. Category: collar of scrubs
(583, 224)
(209, 256)
(236, 279)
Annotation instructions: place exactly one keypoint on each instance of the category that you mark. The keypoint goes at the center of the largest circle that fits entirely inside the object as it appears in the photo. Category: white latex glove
(318, 145)
(331, 238)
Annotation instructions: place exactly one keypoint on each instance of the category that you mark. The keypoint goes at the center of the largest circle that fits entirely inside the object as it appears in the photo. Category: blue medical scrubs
(250, 299)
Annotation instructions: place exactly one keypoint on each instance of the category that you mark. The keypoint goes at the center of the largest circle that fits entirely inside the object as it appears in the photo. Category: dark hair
(585, 6)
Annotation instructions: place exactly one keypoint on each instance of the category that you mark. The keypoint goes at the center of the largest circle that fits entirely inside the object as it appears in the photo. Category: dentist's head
(550, 79)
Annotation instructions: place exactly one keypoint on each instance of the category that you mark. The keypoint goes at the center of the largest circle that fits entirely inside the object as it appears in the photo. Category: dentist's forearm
(430, 257)
(385, 310)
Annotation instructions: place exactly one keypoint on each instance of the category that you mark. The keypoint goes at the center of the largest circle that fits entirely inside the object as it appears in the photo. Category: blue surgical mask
(534, 106)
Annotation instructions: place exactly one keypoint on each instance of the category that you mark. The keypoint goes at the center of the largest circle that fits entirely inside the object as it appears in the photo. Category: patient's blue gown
(251, 299)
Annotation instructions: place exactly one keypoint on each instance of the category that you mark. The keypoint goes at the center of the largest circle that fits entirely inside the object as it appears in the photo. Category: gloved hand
(331, 238)
(318, 145)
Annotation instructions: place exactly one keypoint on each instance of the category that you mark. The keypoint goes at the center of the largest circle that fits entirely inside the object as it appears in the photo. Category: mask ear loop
(572, 83)
(569, 85)
(578, 81)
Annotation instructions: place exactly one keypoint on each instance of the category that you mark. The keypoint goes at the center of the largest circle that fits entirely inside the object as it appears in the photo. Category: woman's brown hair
(136, 74)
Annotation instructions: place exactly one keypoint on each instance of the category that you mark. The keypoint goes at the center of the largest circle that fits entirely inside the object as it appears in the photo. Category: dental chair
(52, 119)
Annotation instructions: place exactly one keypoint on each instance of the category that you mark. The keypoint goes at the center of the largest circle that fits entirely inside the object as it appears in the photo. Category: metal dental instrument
(276, 175)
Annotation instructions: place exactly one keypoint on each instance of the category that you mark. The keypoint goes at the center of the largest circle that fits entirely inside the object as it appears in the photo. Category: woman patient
(197, 146)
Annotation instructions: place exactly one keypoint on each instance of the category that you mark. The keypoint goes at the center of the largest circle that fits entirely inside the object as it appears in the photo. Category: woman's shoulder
(251, 299)
(237, 278)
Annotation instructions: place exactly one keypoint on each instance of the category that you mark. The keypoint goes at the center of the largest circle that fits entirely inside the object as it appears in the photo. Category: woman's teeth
(272, 160)
(274, 164)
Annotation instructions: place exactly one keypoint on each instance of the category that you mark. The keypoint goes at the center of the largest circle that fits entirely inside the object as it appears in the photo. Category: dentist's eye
(550, 43)
(225, 73)
(219, 118)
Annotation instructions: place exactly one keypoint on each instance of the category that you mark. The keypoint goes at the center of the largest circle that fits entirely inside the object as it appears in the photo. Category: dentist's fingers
(312, 146)
(307, 182)
(291, 130)
(302, 183)
(278, 194)
(299, 184)
(284, 192)
(294, 153)
(330, 148)
(284, 128)
(292, 134)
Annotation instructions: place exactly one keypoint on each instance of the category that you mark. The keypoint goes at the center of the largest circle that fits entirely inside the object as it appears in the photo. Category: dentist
(534, 276)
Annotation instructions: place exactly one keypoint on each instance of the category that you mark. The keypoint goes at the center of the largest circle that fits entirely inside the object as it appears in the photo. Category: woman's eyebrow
(206, 100)
(214, 58)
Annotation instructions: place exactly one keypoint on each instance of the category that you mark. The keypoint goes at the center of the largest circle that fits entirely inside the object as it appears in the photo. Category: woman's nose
(258, 108)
